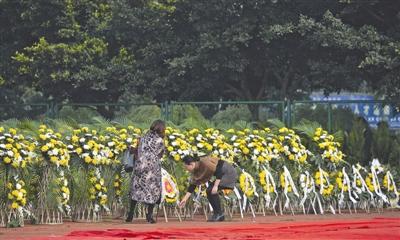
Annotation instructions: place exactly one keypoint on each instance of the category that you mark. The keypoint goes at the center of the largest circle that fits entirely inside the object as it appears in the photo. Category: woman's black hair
(189, 159)
(158, 126)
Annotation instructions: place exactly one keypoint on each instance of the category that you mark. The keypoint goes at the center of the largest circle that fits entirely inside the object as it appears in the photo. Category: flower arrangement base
(84, 213)
(87, 215)
(231, 203)
(311, 205)
(171, 211)
(283, 206)
(117, 210)
(49, 216)
(15, 218)
(3, 216)
(198, 206)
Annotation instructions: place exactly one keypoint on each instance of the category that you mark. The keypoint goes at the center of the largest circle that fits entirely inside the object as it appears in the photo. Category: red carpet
(377, 228)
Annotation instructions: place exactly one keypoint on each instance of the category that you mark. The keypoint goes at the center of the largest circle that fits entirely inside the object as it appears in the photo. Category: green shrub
(354, 140)
(144, 114)
(394, 155)
(182, 112)
(79, 114)
(382, 142)
(232, 114)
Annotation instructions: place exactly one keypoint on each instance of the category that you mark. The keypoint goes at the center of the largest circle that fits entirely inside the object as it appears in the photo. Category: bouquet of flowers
(177, 145)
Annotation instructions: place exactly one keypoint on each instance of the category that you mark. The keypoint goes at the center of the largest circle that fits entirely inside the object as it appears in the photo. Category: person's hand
(214, 190)
(182, 203)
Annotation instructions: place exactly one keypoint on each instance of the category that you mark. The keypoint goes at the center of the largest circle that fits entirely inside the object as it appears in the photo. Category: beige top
(204, 169)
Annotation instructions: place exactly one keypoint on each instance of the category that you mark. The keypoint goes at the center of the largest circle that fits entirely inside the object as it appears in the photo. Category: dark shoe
(129, 218)
(217, 218)
(150, 219)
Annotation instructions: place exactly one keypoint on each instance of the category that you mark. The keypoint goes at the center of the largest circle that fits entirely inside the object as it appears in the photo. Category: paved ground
(351, 226)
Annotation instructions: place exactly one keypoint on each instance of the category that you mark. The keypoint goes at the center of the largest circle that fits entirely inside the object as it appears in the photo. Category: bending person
(202, 170)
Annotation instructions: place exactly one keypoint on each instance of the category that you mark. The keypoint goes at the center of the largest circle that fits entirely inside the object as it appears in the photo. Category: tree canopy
(121, 50)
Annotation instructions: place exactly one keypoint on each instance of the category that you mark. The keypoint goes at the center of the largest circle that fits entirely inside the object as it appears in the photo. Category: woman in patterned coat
(146, 178)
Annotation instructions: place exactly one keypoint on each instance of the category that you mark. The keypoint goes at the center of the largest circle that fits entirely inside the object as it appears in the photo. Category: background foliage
(116, 50)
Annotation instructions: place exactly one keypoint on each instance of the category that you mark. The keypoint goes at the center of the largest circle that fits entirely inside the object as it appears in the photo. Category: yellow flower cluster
(339, 182)
(268, 188)
(282, 182)
(52, 148)
(176, 144)
(114, 139)
(386, 185)
(327, 187)
(16, 193)
(15, 151)
(246, 182)
(117, 140)
(199, 141)
(118, 186)
(329, 148)
(253, 145)
(64, 192)
(220, 147)
(133, 134)
(98, 190)
(368, 181)
(87, 145)
(292, 148)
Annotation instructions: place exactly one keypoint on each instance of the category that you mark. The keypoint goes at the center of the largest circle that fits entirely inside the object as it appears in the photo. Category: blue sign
(372, 112)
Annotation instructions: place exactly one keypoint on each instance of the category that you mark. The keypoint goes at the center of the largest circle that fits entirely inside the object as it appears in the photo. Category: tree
(78, 66)
(252, 50)
(107, 50)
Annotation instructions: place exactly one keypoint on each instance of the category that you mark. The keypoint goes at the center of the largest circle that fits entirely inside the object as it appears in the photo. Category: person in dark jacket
(202, 170)
(146, 178)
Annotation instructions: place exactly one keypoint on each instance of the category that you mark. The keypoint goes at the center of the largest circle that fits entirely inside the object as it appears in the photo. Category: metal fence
(332, 115)
(335, 115)
(227, 111)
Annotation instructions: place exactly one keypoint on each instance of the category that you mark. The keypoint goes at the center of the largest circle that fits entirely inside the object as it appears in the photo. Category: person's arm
(189, 192)
(184, 199)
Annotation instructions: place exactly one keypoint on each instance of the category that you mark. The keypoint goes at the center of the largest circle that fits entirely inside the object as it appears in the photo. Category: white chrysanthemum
(302, 177)
(286, 148)
(55, 151)
(185, 152)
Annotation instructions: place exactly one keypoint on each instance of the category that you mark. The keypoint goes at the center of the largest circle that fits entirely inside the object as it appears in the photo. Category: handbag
(129, 156)
(128, 160)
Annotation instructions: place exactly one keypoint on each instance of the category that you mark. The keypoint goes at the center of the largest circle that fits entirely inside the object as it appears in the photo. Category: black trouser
(132, 207)
(214, 198)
